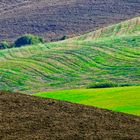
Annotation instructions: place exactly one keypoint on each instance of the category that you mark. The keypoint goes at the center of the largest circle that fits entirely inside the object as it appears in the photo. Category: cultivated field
(110, 54)
(56, 18)
(81, 88)
(25, 117)
(122, 99)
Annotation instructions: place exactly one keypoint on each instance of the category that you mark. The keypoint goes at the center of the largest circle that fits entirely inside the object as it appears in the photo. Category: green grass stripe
(122, 99)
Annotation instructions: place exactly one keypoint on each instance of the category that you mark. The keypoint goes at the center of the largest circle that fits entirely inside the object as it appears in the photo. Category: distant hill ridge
(128, 27)
(54, 19)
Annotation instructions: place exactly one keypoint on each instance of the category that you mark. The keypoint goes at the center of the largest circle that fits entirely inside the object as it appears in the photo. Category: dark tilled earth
(25, 117)
(55, 18)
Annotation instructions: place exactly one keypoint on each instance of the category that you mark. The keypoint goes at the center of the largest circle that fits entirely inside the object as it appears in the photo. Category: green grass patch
(110, 54)
(120, 99)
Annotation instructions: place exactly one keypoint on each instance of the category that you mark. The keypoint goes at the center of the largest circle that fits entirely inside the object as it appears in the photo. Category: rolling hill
(56, 18)
(94, 56)
(110, 54)
(121, 99)
(25, 117)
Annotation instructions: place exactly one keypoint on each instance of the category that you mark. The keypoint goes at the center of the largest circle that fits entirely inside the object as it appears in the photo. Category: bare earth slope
(55, 18)
(26, 117)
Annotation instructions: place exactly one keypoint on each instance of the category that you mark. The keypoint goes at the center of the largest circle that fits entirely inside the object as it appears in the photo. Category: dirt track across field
(55, 18)
(25, 117)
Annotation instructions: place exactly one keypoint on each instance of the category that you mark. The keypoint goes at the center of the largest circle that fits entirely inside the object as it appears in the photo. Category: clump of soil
(25, 117)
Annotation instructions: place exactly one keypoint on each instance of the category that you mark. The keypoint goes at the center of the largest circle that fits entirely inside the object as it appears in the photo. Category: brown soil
(56, 18)
(25, 117)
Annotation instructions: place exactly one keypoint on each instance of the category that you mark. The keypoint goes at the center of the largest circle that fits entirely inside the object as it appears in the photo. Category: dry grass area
(56, 18)
(25, 117)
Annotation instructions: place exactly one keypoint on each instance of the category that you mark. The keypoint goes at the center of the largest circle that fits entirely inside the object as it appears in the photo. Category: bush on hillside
(63, 38)
(4, 45)
(103, 85)
(60, 39)
(28, 40)
(108, 85)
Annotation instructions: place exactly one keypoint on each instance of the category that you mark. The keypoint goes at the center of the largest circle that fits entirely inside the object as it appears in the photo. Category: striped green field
(109, 54)
(121, 99)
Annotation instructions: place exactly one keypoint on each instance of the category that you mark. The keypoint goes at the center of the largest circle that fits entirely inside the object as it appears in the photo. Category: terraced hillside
(109, 54)
(56, 18)
(27, 117)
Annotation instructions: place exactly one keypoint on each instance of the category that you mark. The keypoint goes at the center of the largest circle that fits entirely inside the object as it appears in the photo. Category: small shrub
(28, 40)
(126, 85)
(60, 38)
(63, 38)
(4, 45)
(103, 85)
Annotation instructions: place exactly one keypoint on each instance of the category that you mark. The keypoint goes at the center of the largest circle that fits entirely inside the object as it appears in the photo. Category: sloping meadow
(111, 54)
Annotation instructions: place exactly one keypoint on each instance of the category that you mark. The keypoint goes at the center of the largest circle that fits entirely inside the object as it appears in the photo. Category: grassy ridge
(122, 99)
(76, 62)
(129, 27)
